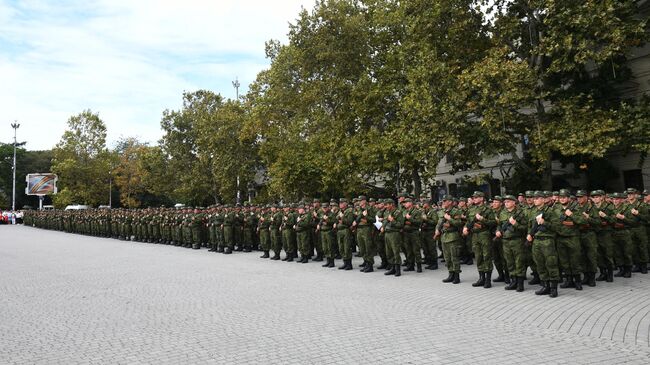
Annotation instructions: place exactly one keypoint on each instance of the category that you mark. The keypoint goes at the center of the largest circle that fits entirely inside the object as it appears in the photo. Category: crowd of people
(564, 239)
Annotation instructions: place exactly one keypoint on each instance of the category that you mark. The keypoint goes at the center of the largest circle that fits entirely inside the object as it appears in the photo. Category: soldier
(326, 221)
(228, 227)
(428, 227)
(511, 232)
(541, 233)
(480, 221)
(603, 229)
(411, 235)
(250, 225)
(380, 238)
(498, 256)
(568, 241)
(638, 233)
(288, 234)
(276, 235)
(364, 224)
(316, 243)
(302, 228)
(344, 219)
(263, 229)
(588, 239)
(393, 224)
(621, 236)
(448, 229)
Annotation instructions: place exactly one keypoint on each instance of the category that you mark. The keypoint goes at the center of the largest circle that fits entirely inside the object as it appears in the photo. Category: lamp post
(15, 126)
(236, 85)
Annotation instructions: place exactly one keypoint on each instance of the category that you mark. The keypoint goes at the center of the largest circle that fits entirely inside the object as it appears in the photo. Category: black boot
(506, 277)
(418, 267)
(219, 249)
(266, 255)
(409, 267)
(577, 282)
(456, 278)
(620, 272)
(289, 257)
(398, 270)
(449, 278)
(644, 268)
(480, 281)
(568, 282)
(535, 280)
(305, 260)
(391, 271)
(512, 285)
(603, 274)
(591, 281)
(286, 257)
(318, 258)
(553, 293)
(545, 289)
(363, 265)
(627, 272)
(384, 265)
(368, 268)
(344, 266)
(520, 283)
(276, 256)
(610, 275)
(488, 280)
(349, 265)
(227, 250)
(500, 278)
(433, 265)
(327, 264)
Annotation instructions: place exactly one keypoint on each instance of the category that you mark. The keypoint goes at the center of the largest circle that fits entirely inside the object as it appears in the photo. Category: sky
(127, 60)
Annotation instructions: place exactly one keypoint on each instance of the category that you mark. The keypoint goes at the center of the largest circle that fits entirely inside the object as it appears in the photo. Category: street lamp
(15, 126)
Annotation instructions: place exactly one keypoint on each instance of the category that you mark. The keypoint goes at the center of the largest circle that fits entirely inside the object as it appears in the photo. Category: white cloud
(127, 60)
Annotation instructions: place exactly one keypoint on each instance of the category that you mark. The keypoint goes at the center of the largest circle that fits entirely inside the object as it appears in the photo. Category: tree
(551, 77)
(82, 162)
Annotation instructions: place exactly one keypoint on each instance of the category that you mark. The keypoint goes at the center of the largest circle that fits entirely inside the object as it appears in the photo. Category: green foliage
(82, 162)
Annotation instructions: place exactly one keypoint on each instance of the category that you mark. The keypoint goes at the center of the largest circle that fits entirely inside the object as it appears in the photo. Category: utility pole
(15, 126)
(236, 85)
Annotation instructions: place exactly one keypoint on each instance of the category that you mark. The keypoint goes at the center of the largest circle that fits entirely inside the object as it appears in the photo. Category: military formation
(564, 239)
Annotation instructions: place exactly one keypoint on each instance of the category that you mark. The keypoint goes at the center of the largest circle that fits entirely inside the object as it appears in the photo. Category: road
(68, 299)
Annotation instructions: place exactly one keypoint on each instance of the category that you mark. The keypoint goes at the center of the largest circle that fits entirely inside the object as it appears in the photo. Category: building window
(633, 179)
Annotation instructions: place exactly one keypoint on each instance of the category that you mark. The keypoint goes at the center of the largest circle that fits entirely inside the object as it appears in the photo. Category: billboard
(41, 184)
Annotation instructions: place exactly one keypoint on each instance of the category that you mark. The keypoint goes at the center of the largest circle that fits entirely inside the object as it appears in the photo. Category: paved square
(67, 299)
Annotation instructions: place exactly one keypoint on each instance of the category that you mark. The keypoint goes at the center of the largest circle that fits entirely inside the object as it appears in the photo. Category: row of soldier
(558, 236)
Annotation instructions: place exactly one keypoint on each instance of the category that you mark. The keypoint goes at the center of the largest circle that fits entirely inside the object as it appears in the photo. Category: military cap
(555, 192)
(448, 197)
(596, 193)
(333, 201)
(408, 200)
(478, 194)
(645, 192)
(316, 200)
(508, 197)
(362, 197)
(539, 194)
(631, 191)
(343, 200)
(549, 193)
(564, 193)
(498, 198)
(372, 200)
(301, 206)
(529, 193)
(619, 195)
(389, 201)
(580, 193)
(520, 194)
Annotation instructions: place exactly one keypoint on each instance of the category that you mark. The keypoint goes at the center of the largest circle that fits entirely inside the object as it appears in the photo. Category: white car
(77, 207)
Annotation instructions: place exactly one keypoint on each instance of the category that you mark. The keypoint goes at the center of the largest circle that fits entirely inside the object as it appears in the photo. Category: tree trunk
(417, 180)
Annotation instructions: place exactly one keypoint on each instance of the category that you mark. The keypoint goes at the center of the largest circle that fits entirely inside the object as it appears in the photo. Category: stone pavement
(67, 299)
